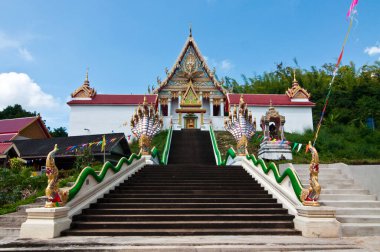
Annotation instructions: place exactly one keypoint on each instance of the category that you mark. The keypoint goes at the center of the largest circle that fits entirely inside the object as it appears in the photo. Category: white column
(201, 98)
(159, 107)
(221, 107)
(169, 106)
(179, 101)
(211, 107)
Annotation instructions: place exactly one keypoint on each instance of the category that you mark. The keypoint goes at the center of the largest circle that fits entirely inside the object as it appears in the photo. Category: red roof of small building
(7, 137)
(15, 125)
(4, 147)
(106, 99)
(265, 99)
(9, 128)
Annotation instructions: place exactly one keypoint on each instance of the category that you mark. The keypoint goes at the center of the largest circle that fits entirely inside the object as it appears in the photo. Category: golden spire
(295, 82)
(86, 82)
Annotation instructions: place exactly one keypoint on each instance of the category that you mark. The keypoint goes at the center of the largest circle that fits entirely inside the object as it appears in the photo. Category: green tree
(15, 111)
(59, 132)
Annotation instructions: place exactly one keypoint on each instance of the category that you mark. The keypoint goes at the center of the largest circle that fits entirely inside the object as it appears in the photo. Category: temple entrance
(190, 121)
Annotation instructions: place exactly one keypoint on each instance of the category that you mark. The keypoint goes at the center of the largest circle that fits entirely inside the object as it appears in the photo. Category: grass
(338, 143)
(158, 140)
(12, 207)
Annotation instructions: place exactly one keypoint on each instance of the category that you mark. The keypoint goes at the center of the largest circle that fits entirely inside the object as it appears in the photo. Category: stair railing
(165, 154)
(218, 157)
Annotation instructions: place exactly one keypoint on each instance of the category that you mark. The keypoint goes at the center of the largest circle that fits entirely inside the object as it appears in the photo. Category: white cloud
(373, 50)
(8, 44)
(226, 65)
(25, 54)
(19, 88)
(223, 65)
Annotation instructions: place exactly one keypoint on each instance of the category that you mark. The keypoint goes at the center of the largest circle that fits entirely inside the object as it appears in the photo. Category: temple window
(164, 110)
(216, 110)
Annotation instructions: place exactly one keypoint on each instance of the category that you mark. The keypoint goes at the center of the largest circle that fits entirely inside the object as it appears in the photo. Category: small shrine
(274, 147)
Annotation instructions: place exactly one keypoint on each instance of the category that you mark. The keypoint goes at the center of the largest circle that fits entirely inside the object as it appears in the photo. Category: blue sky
(127, 44)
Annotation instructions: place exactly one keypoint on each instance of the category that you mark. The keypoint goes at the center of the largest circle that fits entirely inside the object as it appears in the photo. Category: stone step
(181, 232)
(335, 186)
(268, 199)
(360, 229)
(183, 217)
(327, 171)
(351, 204)
(167, 211)
(328, 182)
(345, 197)
(181, 224)
(359, 218)
(256, 194)
(344, 191)
(323, 177)
(182, 205)
(357, 211)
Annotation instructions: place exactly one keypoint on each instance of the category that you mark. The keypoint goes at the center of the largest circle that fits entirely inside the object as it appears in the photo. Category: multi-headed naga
(241, 125)
(55, 196)
(310, 196)
(145, 124)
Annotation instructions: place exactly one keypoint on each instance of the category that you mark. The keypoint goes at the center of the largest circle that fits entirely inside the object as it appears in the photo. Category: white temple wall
(96, 119)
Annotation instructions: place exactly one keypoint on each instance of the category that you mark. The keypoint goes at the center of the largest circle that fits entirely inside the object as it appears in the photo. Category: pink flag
(352, 6)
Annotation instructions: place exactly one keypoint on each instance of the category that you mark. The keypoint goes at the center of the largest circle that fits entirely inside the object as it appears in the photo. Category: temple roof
(190, 47)
(11, 128)
(106, 99)
(84, 91)
(278, 100)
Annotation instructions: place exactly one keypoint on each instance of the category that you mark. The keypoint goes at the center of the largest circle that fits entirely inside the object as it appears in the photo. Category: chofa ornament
(145, 124)
(241, 125)
(310, 196)
(55, 197)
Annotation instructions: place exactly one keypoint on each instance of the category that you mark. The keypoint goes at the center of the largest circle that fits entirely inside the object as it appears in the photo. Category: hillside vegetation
(345, 134)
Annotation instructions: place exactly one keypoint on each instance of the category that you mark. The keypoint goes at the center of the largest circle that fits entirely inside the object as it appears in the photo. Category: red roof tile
(7, 137)
(105, 99)
(264, 100)
(15, 125)
(4, 147)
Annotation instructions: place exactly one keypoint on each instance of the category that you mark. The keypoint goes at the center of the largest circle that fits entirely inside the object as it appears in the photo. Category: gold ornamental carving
(55, 197)
(310, 196)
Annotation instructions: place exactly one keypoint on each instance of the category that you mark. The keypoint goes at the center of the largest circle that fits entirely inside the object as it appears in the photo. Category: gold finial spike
(270, 103)
(294, 75)
(191, 33)
(144, 100)
(86, 74)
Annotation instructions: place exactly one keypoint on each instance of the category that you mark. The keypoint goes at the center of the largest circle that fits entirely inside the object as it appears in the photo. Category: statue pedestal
(317, 222)
(275, 151)
(45, 223)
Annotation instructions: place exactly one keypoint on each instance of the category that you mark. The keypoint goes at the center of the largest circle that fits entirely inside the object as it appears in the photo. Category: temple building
(189, 97)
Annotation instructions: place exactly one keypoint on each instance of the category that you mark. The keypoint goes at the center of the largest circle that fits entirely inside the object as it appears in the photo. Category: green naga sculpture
(241, 126)
(145, 124)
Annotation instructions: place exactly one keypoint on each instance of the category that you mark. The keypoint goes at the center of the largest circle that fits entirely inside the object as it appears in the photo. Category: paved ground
(192, 243)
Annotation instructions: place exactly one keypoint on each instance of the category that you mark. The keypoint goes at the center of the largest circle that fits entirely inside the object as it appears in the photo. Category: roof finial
(270, 103)
(294, 75)
(86, 80)
(191, 33)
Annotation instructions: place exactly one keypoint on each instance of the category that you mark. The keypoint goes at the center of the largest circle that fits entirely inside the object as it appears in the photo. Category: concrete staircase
(357, 210)
(190, 196)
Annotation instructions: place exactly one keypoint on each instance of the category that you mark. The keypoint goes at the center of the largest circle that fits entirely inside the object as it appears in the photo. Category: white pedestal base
(275, 151)
(317, 222)
(45, 223)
